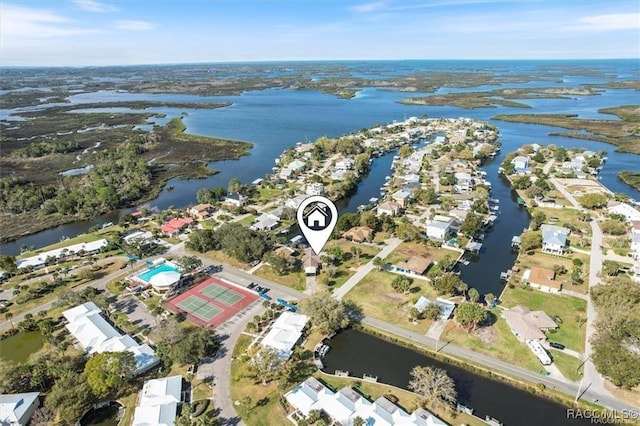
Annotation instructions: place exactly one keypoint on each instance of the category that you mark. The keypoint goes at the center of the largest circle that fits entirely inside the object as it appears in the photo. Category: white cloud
(609, 22)
(21, 23)
(369, 7)
(94, 6)
(133, 25)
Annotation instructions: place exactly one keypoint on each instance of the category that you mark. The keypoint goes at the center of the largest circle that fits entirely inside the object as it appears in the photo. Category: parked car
(251, 285)
(557, 319)
(254, 262)
(263, 290)
(556, 345)
(258, 289)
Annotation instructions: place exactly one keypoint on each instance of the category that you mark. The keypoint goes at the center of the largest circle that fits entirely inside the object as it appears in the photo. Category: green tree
(326, 313)
(107, 372)
(435, 388)
(474, 296)
(195, 344)
(471, 225)
(446, 283)
(8, 264)
(69, 397)
(593, 200)
(432, 311)
(279, 264)
(490, 298)
(402, 284)
(263, 363)
(378, 263)
(9, 317)
(530, 240)
(188, 263)
(469, 315)
(537, 220)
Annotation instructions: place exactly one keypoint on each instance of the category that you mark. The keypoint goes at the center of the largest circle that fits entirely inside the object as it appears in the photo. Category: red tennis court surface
(212, 302)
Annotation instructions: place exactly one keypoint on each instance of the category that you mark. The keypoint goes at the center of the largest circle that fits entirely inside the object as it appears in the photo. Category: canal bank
(363, 353)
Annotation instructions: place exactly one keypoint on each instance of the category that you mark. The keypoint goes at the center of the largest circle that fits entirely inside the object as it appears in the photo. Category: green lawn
(375, 296)
(295, 280)
(571, 310)
(548, 261)
(567, 364)
(496, 340)
(351, 262)
(408, 249)
(269, 194)
(247, 221)
(566, 216)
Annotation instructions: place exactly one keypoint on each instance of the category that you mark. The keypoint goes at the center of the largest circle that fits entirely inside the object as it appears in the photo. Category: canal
(362, 353)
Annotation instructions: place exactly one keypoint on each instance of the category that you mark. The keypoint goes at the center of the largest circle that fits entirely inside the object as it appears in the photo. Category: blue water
(275, 119)
(146, 276)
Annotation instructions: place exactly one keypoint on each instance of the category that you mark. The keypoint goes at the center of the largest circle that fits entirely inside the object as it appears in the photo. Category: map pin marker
(317, 216)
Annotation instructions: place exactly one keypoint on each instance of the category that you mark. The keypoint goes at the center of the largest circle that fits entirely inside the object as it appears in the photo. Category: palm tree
(474, 296)
(9, 317)
(462, 287)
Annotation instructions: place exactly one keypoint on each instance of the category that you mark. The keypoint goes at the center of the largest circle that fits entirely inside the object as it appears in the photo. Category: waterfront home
(389, 208)
(554, 239)
(315, 188)
(542, 279)
(96, 335)
(294, 203)
(16, 409)
(402, 197)
(635, 246)
(635, 226)
(416, 265)
(446, 306)
(297, 165)
(629, 212)
(201, 211)
(359, 234)
(234, 199)
(139, 238)
(548, 202)
(464, 182)
(265, 222)
(285, 173)
(527, 324)
(344, 164)
(520, 163)
(158, 402)
(310, 262)
(438, 230)
(285, 333)
(176, 226)
(62, 253)
(347, 404)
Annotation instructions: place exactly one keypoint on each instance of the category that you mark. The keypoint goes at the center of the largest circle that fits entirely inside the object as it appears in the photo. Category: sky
(128, 32)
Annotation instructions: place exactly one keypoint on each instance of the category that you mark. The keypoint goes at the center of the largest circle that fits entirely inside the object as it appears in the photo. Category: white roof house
(40, 259)
(626, 210)
(17, 409)
(96, 335)
(346, 405)
(285, 333)
(158, 402)
(438, 230)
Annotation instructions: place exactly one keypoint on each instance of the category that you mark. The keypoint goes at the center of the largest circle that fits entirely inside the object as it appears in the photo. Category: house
(554, 238)
(446, 306)
(311, 262)
(96, 335)
(527, 324)
(286, 252)
(234, 199)
(175, 226)
(139, 238)
(359, 234)
(438, 230)
(285, 333)
(389, 208)
(344, 164)
(16, 409)
(201, 211)
(416, 265)
(317, 217)
(464, 182)
(294, 203)
(80, 249)
(636, 273)
(629, 212)
(635, 245)
(266, 222)
(402, 197)
(548, 202)
(158, 402)
(520, 163)
(338, 174)
(635, 226)
(315, 188)
(542, 279)
(344, 406)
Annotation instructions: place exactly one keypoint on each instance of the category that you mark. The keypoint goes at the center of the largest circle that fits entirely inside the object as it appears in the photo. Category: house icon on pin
(317, 218)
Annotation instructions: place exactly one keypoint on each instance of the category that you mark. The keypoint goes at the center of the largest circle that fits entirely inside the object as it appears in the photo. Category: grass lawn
(567, 364)
(566, 217)
(548, 261)
(350, 264)
(375, 296)
(218, 256)
(405, 399)
(295, 280)
(571, 310)
(496, 340)
(268, 194)
(247, 221)
(408, 249)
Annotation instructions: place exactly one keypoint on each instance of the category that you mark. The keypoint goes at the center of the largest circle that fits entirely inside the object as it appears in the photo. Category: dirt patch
(629, 396)
(487, 335)
(395, 297)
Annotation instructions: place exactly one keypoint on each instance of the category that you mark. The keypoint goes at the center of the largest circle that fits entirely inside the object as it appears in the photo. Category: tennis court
(212, 302)
(222, 294)
(200, 308)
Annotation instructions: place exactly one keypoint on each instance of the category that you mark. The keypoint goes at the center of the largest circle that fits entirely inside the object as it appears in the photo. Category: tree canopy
(107, 372)
(327, 313)
(469, 315)
(434, 386)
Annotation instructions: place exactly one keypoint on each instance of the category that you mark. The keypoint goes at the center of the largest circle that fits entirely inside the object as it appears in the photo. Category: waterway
(275, 119)
(361, 353)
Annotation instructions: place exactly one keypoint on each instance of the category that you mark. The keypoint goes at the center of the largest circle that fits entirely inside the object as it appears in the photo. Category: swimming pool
(165, 267)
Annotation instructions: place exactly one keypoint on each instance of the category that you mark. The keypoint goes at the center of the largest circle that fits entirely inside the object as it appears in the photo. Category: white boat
(494, 200)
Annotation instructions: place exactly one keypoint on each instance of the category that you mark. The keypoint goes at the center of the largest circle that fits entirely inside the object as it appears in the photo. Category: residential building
(402, 197)
(285, 333)
(635, 246)
(265, 222)
(294, 203)
(629, 212)
(158, 402)
(201, 211)
(16, 409)
(464, 182)
(80, 249)
(635, 226)
(636, 273)
(234, 199)
(359, 234)
(438, 230)
(520, 163)
(315, 188)
(176, 226)
(389, 208)
(311, 262)
(96, 335)
(347, 404)
(554, 239)
(416, 265)
(527, 324)
(446, 306)
(542, 279)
